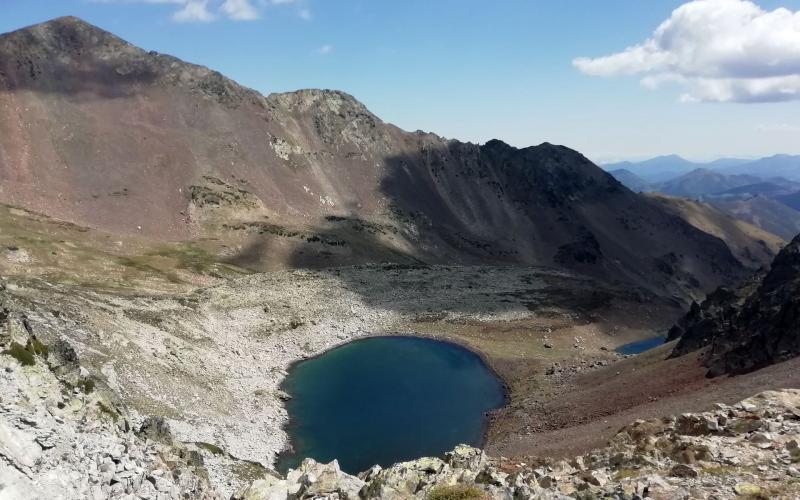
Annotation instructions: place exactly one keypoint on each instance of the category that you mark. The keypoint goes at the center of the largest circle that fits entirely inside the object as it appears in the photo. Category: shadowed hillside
(106, 135)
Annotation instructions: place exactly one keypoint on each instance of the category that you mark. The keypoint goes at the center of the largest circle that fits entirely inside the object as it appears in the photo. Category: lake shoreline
(459, 391)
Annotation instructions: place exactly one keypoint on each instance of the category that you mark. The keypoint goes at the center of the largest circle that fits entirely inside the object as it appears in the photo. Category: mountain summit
(107, 135)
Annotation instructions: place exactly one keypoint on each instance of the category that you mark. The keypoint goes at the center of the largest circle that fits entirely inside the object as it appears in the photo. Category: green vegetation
(20, 353)
(25, 354)
(188, 256)
(111, 412)
(719, 470)
(626, 474)
(37, 347)
(456, 492)
(211, 448)
(86, 385)
(164, 260)
(248, 471)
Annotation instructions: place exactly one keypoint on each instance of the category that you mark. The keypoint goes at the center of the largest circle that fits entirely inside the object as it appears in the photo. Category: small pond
(387, 399)
(641, 346)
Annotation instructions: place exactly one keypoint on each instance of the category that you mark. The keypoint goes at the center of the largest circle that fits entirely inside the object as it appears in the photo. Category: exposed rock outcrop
(757, 325)
(64, 436)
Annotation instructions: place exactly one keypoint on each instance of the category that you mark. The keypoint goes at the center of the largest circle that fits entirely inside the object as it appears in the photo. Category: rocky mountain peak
(70, 56)
(67, 37)
(319, 101)
(755, 326)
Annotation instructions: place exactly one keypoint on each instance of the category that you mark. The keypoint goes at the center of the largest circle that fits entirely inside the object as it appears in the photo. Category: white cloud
(239, 10)
(719, 50)
(194, 11)
(209, 10)
(325, 49)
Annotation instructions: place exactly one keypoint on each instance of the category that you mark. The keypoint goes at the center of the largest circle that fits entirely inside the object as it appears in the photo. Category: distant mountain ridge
(630, 180)
(782, 165)
(663, 168)
(702, 181)
(763, 192)
(658, 169)
(752, 245)
(762, 211)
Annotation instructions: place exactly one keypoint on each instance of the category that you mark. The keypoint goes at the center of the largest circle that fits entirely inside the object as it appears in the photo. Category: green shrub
(25, 354)
(21, 354)
(86, 385)
(36, 347)
(111, 412)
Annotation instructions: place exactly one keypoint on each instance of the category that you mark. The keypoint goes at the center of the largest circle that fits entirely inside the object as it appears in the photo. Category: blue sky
(476, 70)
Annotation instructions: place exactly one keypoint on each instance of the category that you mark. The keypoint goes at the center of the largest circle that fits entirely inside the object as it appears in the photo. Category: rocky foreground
(63, 437)
(748, 450)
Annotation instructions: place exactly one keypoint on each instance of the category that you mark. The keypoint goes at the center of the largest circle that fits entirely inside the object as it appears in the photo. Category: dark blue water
(641, 346)
(387, 399)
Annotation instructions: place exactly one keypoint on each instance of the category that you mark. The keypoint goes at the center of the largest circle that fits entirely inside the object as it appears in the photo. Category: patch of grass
(20, 353)
(25, 354)
(37, 347)
(211, 448)
(248, 471)
(138, 263)
(188, 256)
(456, 492)
(626, 474)
(111, 412)
(86, 385)
(718, 470)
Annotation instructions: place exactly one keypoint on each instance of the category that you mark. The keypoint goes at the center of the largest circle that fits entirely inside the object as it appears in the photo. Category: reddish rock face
(101, 133)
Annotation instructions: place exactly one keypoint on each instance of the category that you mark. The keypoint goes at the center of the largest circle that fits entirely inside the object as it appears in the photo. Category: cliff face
(753, 327)
(101, 133)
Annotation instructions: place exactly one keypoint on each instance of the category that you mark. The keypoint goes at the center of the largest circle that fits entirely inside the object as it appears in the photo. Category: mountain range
(106, 135)
(663, 168)
(173, 245)
(762, 192)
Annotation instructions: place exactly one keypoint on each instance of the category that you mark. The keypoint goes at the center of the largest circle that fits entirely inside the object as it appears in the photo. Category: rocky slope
(752, 327)
(210, 361)
(64, 438)
(753, 246)
(762, 211)
(66, 435)
(103, 134)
